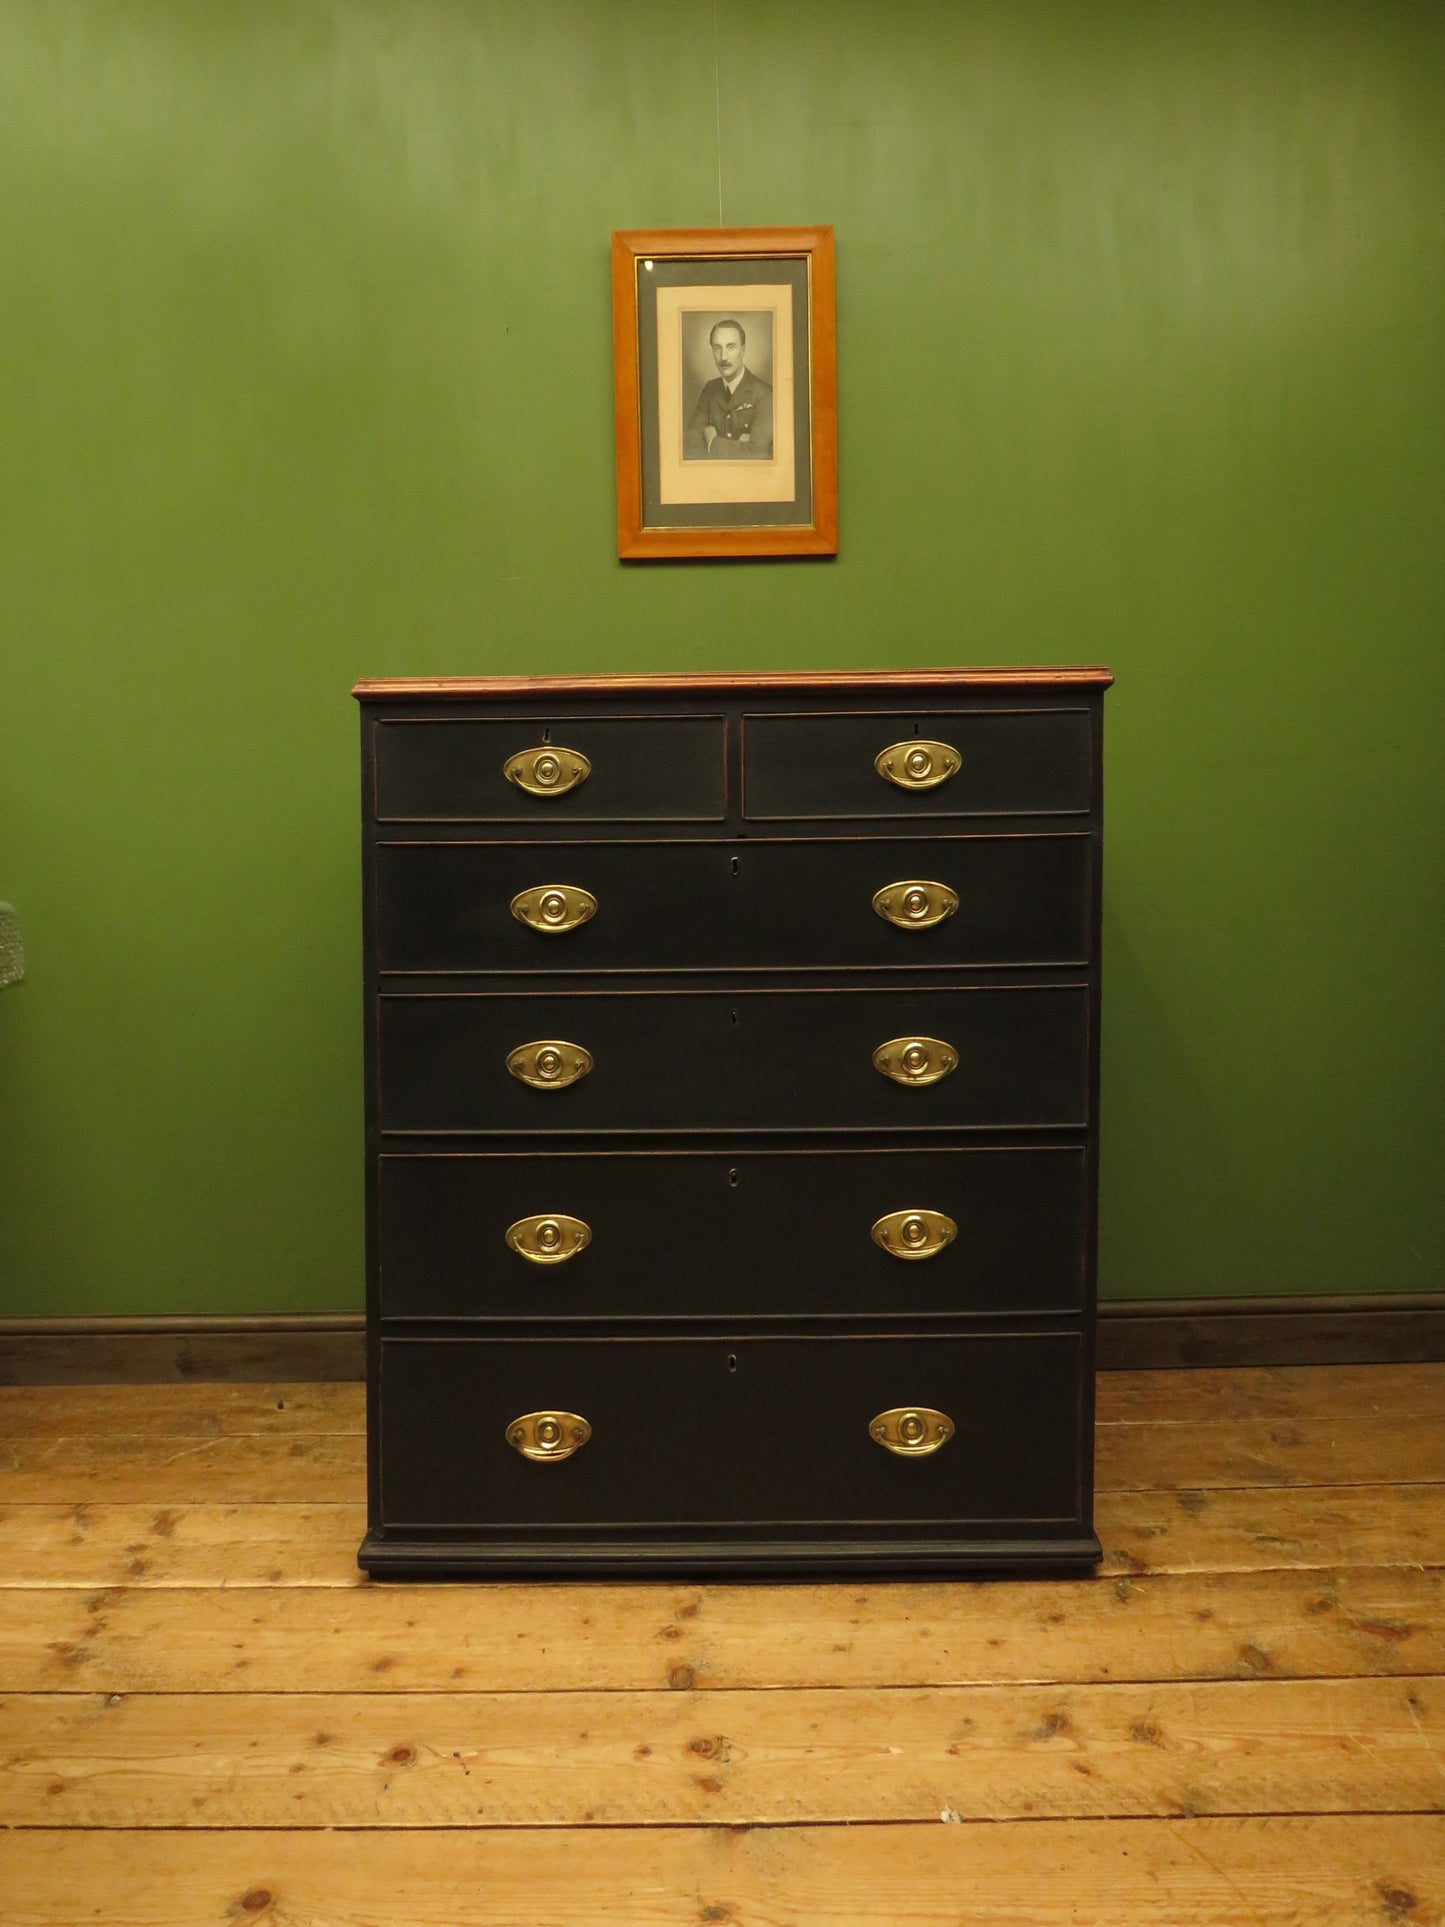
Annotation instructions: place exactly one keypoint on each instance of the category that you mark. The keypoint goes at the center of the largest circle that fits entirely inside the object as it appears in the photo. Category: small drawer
(1008, 763)
(638, 769)
(806, 903)
(740, 1060)
(732, 1234)
(774, 1434)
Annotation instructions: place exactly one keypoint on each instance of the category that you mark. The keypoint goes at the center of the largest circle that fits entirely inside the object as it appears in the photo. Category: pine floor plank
(1351, 1450)
(531, 1638)
(1299, 1528)
(1316, 1871)
(201, 1410)
(315, 1545)
(195, 1410)
(665, 1759)
(313, 1468)
(1271, 1392)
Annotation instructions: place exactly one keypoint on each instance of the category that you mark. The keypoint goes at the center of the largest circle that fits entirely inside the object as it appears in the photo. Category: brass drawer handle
(549, 1240)
(546, 771)
(553, 908)
(550, 1064)
(548, 1435)
(914, 1234)
(915, 1060)
(915, 904)
(912, 1431)
(918, 765)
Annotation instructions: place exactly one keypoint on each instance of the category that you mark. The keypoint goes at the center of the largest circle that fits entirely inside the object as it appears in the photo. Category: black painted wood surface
(732, 1328)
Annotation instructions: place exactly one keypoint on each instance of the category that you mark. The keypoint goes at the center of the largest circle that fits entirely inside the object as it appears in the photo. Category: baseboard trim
(1134, 1335)
(1138, 1335)
(275, 1348)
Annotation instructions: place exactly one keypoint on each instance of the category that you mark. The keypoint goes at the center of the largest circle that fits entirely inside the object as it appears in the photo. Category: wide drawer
(734, 1234)
(737, 1060)
(772, 1434)
(645, 769)
(1009, 762)
(796, 904)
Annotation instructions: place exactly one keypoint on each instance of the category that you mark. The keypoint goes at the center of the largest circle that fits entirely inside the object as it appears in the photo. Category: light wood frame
(639, 538)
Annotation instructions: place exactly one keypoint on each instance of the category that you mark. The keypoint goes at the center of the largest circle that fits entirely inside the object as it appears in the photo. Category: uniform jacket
(743, 419)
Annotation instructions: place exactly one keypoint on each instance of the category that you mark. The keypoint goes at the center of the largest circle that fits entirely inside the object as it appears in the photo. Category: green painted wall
(306, 374)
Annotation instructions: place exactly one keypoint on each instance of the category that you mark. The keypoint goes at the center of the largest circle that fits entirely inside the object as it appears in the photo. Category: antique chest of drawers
(732, 1086)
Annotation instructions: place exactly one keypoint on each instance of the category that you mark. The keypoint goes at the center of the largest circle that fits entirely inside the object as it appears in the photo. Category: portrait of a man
(732, 416)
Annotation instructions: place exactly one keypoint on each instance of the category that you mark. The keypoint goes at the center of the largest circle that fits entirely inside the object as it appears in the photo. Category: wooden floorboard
(1355, 1622)
(1349, 1870)
(744, 1759)
(301, 1467)
(207, 1714)
(102, 1545)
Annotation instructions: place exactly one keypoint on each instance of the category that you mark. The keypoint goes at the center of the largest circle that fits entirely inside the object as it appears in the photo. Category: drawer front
(804, 904)
(1010, 762)
(645, 769)
(740, 1060)
(741, 1234)
(771, 1433)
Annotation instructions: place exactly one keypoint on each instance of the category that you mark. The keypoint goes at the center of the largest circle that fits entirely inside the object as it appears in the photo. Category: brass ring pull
(553, 908)
(919, 764)
(549, 1240)
(914, 1234)
(547, 771)
(915, 1060)
(541, 1436)
(915, 904)
(551, 1064)
(912, 1431)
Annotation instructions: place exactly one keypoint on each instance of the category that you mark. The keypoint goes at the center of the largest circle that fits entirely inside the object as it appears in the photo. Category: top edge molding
(440, 688)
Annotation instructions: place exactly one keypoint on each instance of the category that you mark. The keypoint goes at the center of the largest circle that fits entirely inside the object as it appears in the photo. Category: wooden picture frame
(724, 363)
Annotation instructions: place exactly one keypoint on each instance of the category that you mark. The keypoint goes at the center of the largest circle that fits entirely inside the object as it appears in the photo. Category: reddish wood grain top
(431, 689)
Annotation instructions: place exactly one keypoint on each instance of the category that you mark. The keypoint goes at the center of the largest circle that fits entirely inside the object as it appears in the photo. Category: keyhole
(733, 1179)
(734, 866)
(733, 1018)
(547, 734)
(732, 1361)
(915, 729)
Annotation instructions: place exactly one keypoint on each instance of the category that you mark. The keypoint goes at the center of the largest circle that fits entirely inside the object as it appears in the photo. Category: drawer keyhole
(732, 1361)
(734, 866)
(733, 1179)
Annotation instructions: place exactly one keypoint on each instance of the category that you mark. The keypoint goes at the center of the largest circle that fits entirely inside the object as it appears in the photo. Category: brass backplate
(918, 764)
(547, 771)
(915, 1060)
(914, 1234)
(553, 908)
(549, 1064)
(915, 904)
(912, 1431)
(549, 1240)
(548, 1435)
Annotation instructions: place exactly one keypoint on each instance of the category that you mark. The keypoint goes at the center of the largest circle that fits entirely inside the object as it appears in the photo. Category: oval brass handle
(549, 1240)
(547, 771)
(914, 1234)
(915, 904)
(550, 1064)
(915, 1060)
(919, 764)
(912, 1431)
(548, 1435)
(553, 908)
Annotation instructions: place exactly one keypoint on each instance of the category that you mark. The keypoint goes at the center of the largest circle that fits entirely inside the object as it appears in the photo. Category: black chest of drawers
(732, 1088)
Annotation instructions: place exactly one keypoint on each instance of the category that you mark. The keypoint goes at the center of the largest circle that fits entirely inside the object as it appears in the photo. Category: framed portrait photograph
(724, 345)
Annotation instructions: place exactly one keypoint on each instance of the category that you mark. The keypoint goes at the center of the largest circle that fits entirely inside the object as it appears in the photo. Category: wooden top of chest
(436, 688)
